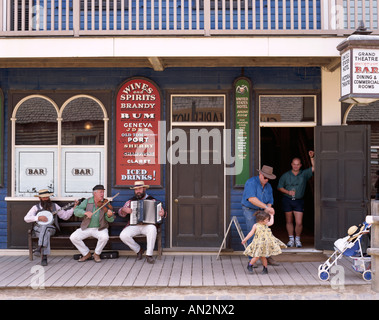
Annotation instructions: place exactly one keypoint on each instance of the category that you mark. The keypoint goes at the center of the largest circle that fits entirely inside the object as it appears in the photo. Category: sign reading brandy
(138, 112)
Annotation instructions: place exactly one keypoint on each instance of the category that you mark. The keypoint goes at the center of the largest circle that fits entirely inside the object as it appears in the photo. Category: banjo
(50, 215)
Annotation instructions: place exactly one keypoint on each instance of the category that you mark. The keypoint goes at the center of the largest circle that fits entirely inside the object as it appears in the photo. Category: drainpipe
(374, 250)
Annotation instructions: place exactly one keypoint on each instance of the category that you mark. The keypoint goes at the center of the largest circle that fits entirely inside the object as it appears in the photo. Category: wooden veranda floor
(172, 270)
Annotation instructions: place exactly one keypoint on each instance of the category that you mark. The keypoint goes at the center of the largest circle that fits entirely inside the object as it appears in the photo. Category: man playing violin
(97, 215)
(45, 231)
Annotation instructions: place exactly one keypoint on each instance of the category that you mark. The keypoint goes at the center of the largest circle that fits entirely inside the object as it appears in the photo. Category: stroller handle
(372, 219)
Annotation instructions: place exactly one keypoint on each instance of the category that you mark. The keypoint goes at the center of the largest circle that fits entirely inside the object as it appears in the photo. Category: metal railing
(185, 17)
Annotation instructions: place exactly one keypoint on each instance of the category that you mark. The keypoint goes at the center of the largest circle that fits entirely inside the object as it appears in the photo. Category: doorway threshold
(302, 250)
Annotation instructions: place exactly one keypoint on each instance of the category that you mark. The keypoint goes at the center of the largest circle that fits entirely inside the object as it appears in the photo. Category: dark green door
(342, 180)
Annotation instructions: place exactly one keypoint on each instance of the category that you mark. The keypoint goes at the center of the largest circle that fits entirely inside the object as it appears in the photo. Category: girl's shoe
(264, 271)
(291, 243)
(298, 243)
(250, 268)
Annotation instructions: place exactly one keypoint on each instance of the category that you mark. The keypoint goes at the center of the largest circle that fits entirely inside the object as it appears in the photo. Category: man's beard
(140, 195)
(46, 205)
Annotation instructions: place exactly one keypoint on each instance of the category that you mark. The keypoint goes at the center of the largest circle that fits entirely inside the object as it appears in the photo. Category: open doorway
(279, 145)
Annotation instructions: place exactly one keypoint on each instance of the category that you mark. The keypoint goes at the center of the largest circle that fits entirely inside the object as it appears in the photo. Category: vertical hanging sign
(242, 100)
(138, 112)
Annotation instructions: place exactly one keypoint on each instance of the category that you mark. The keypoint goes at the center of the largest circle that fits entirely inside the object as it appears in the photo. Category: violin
(104, 205)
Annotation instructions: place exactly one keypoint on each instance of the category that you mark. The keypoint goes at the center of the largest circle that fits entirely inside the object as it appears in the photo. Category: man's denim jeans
(250, 220)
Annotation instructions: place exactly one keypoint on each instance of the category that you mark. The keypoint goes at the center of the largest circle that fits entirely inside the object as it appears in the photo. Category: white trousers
(79, 235)
(149, 230)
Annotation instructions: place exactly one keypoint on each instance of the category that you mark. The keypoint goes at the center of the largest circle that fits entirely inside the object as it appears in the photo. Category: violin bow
(107, 202)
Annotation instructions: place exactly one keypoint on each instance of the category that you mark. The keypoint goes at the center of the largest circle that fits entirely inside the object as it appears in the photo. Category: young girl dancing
(264, 243)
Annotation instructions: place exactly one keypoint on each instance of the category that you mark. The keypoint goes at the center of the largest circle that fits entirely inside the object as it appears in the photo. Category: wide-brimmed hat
(352, 230)
(267, 172)
(139, 184)
(43, 193)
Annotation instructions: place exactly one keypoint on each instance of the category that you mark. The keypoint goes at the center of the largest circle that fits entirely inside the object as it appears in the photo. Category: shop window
(288, 110)
(198, 108)
(36, 122)
(59, 148)
(82, 123)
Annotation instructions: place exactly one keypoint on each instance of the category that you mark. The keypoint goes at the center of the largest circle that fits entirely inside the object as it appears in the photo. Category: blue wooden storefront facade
(182, 80)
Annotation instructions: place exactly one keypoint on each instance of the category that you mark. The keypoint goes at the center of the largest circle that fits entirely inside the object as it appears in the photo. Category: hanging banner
(138, 112)
(242, 100)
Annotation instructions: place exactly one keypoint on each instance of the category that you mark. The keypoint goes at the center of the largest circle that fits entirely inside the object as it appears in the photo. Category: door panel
(341, 181)
(198, 198)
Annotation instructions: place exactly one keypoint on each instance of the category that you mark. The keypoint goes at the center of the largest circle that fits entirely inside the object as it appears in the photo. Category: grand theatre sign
(359, 69)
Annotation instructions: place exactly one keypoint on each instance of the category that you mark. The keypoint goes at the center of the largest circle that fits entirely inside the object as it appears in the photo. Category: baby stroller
(349, 246)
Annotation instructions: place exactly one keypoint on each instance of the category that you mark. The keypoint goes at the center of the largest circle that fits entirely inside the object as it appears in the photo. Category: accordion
(145, 211)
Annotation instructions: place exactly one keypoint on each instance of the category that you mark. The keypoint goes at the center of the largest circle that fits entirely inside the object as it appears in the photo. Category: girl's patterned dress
(264, 243)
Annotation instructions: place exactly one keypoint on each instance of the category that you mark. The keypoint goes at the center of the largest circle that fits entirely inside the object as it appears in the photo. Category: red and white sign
(138, 112)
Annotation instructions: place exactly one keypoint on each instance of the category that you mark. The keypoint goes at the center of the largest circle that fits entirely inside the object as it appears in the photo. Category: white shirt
(31, 216)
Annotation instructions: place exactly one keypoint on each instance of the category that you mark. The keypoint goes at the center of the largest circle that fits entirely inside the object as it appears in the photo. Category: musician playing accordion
(149, 230)
(42, 227)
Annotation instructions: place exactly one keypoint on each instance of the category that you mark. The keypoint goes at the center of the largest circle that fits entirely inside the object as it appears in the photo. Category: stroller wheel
(367, 275)
(323, 275)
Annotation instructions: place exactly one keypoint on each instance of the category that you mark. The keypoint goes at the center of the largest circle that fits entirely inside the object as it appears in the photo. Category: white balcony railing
(185, 17)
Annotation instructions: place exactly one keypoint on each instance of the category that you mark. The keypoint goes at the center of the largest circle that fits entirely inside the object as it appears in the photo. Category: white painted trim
(169, 47)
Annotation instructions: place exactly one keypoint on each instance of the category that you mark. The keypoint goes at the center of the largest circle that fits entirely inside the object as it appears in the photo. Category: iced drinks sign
(138, 112)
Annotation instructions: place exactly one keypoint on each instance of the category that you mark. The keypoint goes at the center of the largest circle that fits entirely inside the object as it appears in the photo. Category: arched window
(83, 122)
(59, 148)
(36, 122)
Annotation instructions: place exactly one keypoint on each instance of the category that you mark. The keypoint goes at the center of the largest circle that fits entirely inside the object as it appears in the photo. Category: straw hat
(267, 172)
(139, 184)
(352, 230)
(44, 193)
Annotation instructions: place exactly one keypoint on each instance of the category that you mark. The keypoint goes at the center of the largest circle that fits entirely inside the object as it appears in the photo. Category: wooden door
(342, 181)
(198, 194)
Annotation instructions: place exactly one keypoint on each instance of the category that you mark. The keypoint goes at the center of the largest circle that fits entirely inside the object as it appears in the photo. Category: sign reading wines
(138, 112)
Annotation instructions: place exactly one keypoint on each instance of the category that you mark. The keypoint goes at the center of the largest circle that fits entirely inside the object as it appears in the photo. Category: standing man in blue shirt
(258, 195)
(292, 185)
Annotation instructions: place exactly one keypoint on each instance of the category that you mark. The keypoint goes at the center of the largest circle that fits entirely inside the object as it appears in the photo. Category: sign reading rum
(138, 112)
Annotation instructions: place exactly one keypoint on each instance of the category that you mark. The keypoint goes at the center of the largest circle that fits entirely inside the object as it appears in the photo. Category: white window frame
(60, 149)
(289, 124)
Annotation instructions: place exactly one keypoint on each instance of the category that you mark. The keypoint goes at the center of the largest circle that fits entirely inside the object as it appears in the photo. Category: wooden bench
(69, 226)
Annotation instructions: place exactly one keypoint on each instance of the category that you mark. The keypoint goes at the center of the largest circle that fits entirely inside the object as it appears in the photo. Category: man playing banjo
(46, 223)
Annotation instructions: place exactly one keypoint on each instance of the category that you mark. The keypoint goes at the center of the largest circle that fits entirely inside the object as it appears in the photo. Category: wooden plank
(132, 272)
(106, 265)
(26, 279)
(84, 268)
(17, 270)
(294, 274)
(228, 270)
(197, 271)
(154, 275)
(207, 271)
(185, 279)
(218, 273)
(164, 277)
(306, 272)
(240, 271)
(112, 273)
(59, 270)
(144, 273)
(176, 271)
(285, 278)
